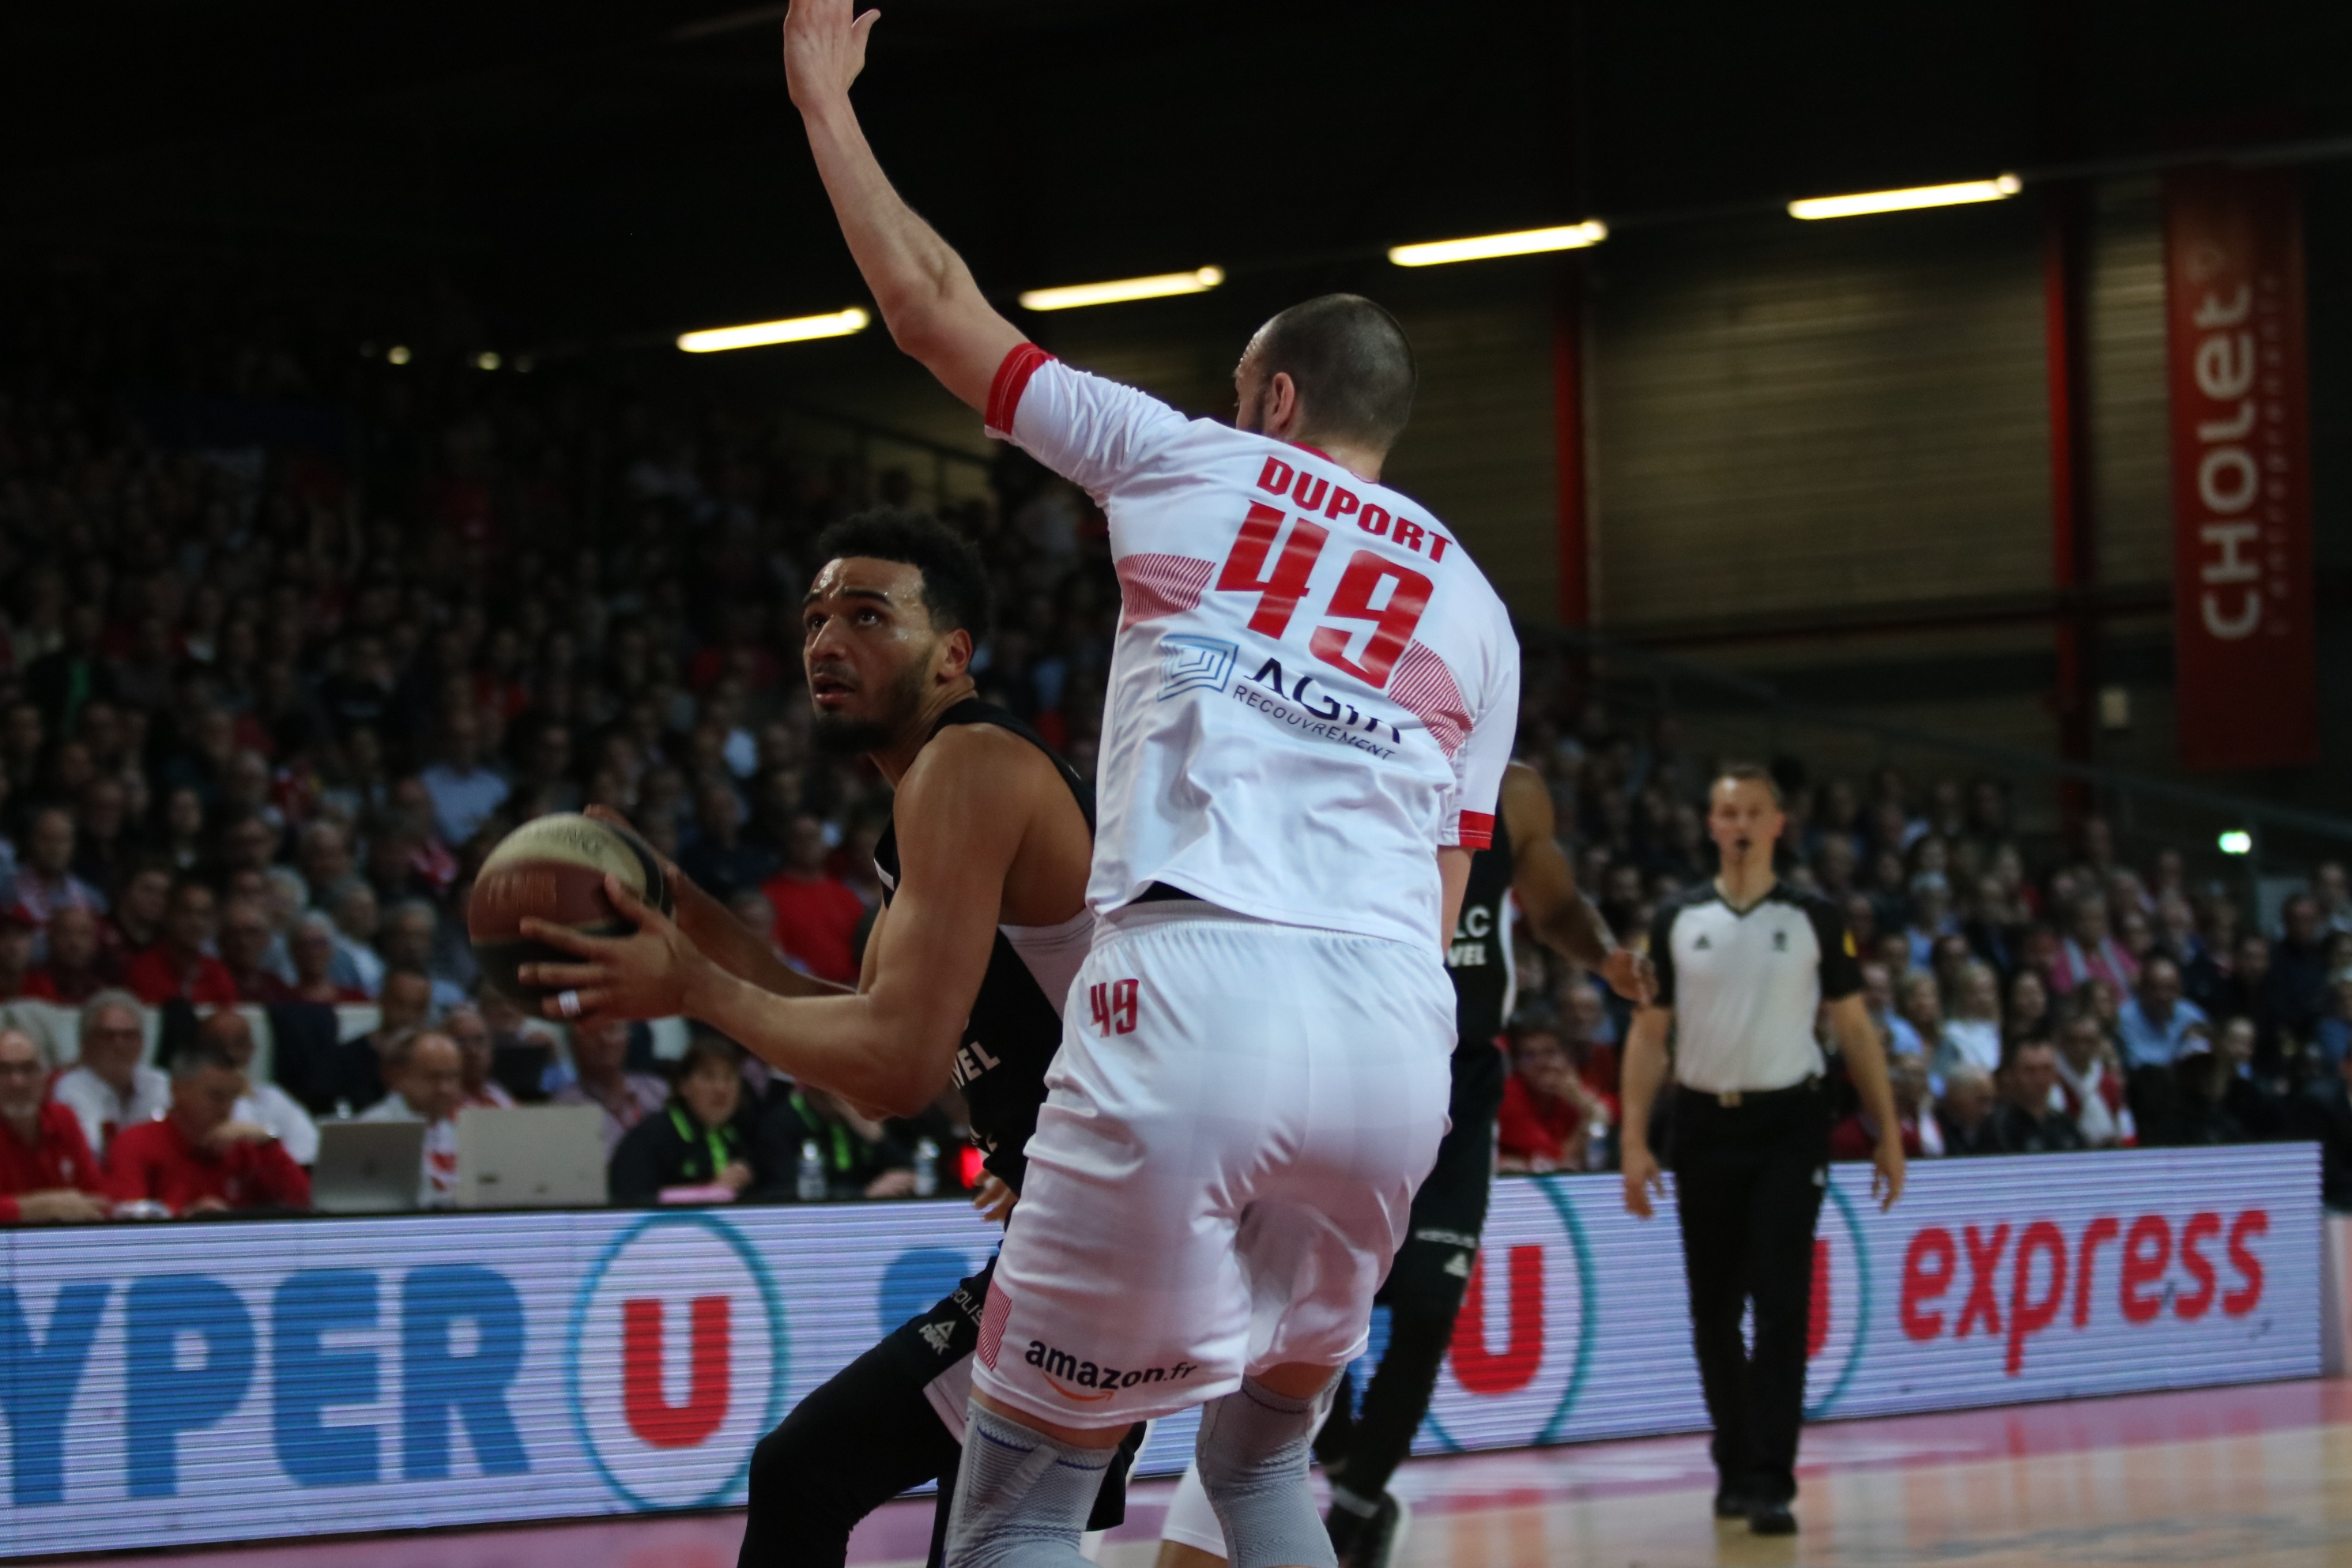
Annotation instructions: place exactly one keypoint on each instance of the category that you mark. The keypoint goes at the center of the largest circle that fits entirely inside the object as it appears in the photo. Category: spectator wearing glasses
(47, 1173)
(110, 1089)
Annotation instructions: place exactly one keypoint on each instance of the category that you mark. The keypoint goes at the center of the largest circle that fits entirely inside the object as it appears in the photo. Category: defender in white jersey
(1310, 708)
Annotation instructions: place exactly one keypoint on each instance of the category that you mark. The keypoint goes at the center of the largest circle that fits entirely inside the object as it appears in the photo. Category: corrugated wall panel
(2131, 477)
(1788, 415)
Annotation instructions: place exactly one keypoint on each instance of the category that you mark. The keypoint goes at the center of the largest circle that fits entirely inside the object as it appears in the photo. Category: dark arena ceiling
(603, 173)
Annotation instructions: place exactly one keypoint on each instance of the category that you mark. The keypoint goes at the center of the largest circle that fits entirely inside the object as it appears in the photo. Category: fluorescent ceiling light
(799, 329)
(1526, 242)
(1159, 287)
(1903, 201)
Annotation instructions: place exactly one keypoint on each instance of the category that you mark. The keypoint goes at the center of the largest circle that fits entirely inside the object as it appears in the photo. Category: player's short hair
(955, 583)
(1750, 773)
(1351, 363)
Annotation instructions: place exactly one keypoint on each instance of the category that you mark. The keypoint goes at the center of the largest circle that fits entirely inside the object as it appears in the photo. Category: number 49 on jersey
(1113, 1003)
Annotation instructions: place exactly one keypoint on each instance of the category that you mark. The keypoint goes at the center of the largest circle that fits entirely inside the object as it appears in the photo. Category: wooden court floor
(2253, 1477)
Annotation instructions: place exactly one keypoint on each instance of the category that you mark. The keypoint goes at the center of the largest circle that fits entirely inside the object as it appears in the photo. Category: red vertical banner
(2245, 666)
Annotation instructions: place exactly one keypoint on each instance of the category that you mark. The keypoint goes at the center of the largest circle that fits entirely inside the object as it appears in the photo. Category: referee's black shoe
(1770, 1517)
(1732, 1501)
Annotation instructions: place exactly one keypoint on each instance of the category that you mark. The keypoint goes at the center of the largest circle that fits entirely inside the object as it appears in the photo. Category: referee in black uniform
(1746, 966)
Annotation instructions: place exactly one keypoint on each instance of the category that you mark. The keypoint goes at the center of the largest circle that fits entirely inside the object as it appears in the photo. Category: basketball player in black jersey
(1360, 1450)
(984, 924)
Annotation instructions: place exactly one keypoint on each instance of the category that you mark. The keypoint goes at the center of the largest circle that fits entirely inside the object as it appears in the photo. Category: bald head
(1349, 364)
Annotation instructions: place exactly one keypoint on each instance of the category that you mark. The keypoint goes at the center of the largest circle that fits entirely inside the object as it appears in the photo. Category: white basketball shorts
(1224, 1164)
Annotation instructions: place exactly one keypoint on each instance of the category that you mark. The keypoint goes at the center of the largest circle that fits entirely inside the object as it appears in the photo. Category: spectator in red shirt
(816, 914)
(137, 922)
(47, 1173)
(16, 933)
(74, 973)
(1547, 1111)
(1856, 1135)
(1590, 1043)
(179, 965)
(195, 1159)
(245, 939)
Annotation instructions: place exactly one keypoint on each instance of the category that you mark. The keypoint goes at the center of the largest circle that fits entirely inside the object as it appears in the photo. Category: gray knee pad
(1021, 1497)
(1253, 1452)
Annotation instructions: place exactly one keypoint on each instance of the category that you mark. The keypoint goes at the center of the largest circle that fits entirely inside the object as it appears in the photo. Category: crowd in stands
(2084, 1003)
(287, 641)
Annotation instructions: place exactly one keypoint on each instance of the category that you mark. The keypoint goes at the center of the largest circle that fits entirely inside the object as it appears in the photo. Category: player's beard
(1251, 416)
(838, 736)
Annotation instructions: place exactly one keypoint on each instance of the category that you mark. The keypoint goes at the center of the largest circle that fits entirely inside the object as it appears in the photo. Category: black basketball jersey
(1014, 1027)
(1478, 959)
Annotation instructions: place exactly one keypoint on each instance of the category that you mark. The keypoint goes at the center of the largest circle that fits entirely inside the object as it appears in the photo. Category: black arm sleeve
(1662, 951)
(1841, 965)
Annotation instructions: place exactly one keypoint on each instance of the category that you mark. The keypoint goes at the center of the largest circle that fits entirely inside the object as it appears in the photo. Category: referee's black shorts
(1449, 1211)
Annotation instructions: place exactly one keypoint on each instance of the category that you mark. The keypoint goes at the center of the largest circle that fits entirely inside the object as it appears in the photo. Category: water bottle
(1596, 1144)
(927, 1168)
(811, 1177)
(343, 1111)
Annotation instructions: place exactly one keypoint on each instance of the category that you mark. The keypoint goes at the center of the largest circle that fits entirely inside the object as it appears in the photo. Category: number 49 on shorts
(1113, 1002)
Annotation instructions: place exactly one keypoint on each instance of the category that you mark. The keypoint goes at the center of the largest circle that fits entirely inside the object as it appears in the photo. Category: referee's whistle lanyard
(717, 1142)
(844, 1157)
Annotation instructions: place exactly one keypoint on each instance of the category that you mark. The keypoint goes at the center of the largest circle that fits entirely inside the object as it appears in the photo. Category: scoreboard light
(1993, 190)
(797, 329)
(1158, 286)
(1485, 247)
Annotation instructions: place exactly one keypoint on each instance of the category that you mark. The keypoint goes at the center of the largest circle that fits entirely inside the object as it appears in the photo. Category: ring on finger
(568, 1004)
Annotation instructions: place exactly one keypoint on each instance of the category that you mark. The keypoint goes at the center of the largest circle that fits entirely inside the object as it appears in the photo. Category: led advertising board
(174, 1384)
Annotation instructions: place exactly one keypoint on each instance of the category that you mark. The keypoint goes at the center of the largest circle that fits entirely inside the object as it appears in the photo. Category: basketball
(554, 867)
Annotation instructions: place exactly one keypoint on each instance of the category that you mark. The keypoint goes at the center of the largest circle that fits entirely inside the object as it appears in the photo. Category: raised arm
(1545, 884)
(927, 298)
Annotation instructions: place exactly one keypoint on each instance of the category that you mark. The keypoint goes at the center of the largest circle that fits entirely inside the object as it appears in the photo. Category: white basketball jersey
(1313, 687)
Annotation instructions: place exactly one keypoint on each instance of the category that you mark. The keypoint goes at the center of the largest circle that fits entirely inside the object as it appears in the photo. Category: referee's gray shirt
(1746, 986)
